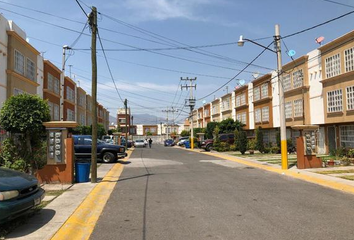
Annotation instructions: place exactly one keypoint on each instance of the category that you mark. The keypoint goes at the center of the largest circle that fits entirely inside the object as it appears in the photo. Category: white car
(139, 143)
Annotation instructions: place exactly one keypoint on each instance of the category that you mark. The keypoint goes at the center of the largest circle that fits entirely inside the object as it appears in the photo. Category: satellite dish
(319, 40)
(242, 81)
(27, 39)
(204, 102)
(237, 87)
(255, 75)
(291, 53)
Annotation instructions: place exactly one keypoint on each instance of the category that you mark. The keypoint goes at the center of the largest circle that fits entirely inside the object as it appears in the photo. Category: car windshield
(139, 141)
(100, 141)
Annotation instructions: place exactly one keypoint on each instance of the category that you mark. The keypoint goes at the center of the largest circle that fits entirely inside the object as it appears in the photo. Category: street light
(277, 51)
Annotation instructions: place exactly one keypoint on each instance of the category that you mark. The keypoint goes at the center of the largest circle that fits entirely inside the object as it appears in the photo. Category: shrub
(242, 142)
(216, 139)
(259, 144)
(275, 149)
(233, 147)
(341, 152)
(346, 161)
(224, 147)
(251, 145)
(351, 153)
(185, 133)
(267, 150)
(210, 129)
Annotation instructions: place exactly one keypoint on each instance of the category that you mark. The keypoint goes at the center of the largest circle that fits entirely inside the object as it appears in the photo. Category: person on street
(150, 142)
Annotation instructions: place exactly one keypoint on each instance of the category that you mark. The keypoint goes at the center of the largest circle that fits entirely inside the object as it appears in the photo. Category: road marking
(312, 179)
(82, 222)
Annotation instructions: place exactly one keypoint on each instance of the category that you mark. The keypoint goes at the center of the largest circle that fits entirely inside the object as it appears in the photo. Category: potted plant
(251, 145)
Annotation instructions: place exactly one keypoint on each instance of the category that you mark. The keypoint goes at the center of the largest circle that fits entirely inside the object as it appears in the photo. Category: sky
(150, 77)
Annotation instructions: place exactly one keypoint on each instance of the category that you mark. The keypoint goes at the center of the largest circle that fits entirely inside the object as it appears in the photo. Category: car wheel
(108, 157)
(208, 147)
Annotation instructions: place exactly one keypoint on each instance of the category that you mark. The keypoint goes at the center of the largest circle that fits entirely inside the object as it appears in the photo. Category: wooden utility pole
(126, 122)
(93, 25)
(190, 102)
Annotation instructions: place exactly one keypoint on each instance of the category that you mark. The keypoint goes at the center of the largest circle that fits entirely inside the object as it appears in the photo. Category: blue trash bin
(187, 144)
(82, 172)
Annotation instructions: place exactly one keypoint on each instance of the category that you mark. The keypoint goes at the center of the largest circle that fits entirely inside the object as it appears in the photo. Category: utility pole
(190, 102)
(168, 111)
(132, 117)
(126, 122)
(62, 76)
(284, 150)
(93, 25)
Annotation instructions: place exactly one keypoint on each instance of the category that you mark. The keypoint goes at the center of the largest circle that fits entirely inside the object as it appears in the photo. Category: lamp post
(277, 51)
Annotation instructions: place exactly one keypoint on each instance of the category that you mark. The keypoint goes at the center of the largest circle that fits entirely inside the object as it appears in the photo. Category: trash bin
(82, 172)
(187, 144)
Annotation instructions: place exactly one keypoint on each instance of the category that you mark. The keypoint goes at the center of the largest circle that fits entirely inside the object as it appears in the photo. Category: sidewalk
(50, 219)
(309, 175)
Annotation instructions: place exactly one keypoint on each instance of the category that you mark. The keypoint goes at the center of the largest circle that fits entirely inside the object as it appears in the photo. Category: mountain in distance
(142, 119)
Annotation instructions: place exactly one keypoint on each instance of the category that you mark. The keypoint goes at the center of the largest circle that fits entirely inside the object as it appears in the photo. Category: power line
(81, 8)
(318, 25)
(338, 3)
(237, 73)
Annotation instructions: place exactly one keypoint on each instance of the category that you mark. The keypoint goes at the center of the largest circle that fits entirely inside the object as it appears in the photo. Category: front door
(331, 139)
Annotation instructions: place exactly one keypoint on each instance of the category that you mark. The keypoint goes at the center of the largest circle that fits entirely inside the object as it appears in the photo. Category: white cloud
(144, 10)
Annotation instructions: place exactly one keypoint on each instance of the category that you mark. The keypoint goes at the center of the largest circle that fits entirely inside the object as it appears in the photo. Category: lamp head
(241, 42)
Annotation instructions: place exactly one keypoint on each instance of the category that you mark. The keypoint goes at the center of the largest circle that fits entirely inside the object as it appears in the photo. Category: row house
(206, 114)
(81, 106)
(225, 106)
(51, 89)
(215, 110)
(200, 114)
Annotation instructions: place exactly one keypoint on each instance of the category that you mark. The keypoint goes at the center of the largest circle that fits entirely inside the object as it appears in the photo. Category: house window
(334, 101)
(256, 94)
(298, 79)
(332, 65)
(82, 119)
(288, 110)
(241, 117)
(50, 82)
(347, 136)
(350, 98)
(70, 115)
(349, 60)
(89, 105)
(30, 70)
(265, 114)
(258, 115)
(226, 104)
(82, 100)
(238, 101)
(56, 112)
(121, 120)
(51, 108)
(153, 130)
(215, 109)
(264, 93)
(286, 82)
(70, 95)
(56, 86)
(89, 121)
(243, 99)
(298, 108)
(206, 112)
(18, 92)
(19, 63)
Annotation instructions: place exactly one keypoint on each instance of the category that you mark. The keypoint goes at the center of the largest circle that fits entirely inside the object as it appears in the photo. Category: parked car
(19, 192)
(105, 151)
(169, 142)
(139, 143)
(226, 137)
(182, 140)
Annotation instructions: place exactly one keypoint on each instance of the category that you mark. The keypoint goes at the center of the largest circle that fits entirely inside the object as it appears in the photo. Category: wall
(250, 106)
(275, 100)
(40, 75)
(4, 26)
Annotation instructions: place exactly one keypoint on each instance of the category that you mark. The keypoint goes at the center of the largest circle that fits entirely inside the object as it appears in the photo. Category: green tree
(87, 130)
(185, 133)
(25, 114)
(216, 143)
(148, 134)
(259, 140)
(229, 125)
(237, 136)
(210, 129)
(242, 142)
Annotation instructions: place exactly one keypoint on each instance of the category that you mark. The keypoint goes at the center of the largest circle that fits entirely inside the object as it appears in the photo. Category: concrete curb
(51, 218)
(305, 175)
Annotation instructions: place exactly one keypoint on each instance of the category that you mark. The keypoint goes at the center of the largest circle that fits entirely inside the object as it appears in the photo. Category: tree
(25, 114)
(237, 136)
(87, 130)
(210, 129)
(216, 143)
(259, 140)
(242, 142)
(185, 133)
(148, 134)
(229, 125)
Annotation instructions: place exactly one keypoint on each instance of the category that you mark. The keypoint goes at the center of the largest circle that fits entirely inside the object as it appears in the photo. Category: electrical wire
(237, 73)
(338, 3)
(82, 8)
(319, 25)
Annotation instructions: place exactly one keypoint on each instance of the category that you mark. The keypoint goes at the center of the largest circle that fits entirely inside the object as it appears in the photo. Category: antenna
(255, 75)
(319, 40)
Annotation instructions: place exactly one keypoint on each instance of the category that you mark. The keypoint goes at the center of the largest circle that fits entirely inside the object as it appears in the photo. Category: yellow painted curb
(82, 222)
(312, 179)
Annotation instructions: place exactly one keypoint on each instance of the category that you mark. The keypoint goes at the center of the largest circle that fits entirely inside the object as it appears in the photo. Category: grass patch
(348, 177)
(336, 171)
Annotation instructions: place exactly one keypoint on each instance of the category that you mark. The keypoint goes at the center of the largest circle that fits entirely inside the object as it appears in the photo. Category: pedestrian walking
(150, 142)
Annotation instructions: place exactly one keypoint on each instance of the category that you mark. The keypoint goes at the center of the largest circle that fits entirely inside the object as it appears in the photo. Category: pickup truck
(107, 152)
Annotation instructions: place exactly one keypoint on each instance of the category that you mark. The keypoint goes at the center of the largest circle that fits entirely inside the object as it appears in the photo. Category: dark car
(105, 151)
(226, 137)
(169, 142)
(19, 192)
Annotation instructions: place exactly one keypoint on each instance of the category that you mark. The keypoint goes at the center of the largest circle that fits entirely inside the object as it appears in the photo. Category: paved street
(170, 193)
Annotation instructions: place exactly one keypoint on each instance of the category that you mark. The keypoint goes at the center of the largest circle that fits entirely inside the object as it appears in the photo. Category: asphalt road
(168, 193)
